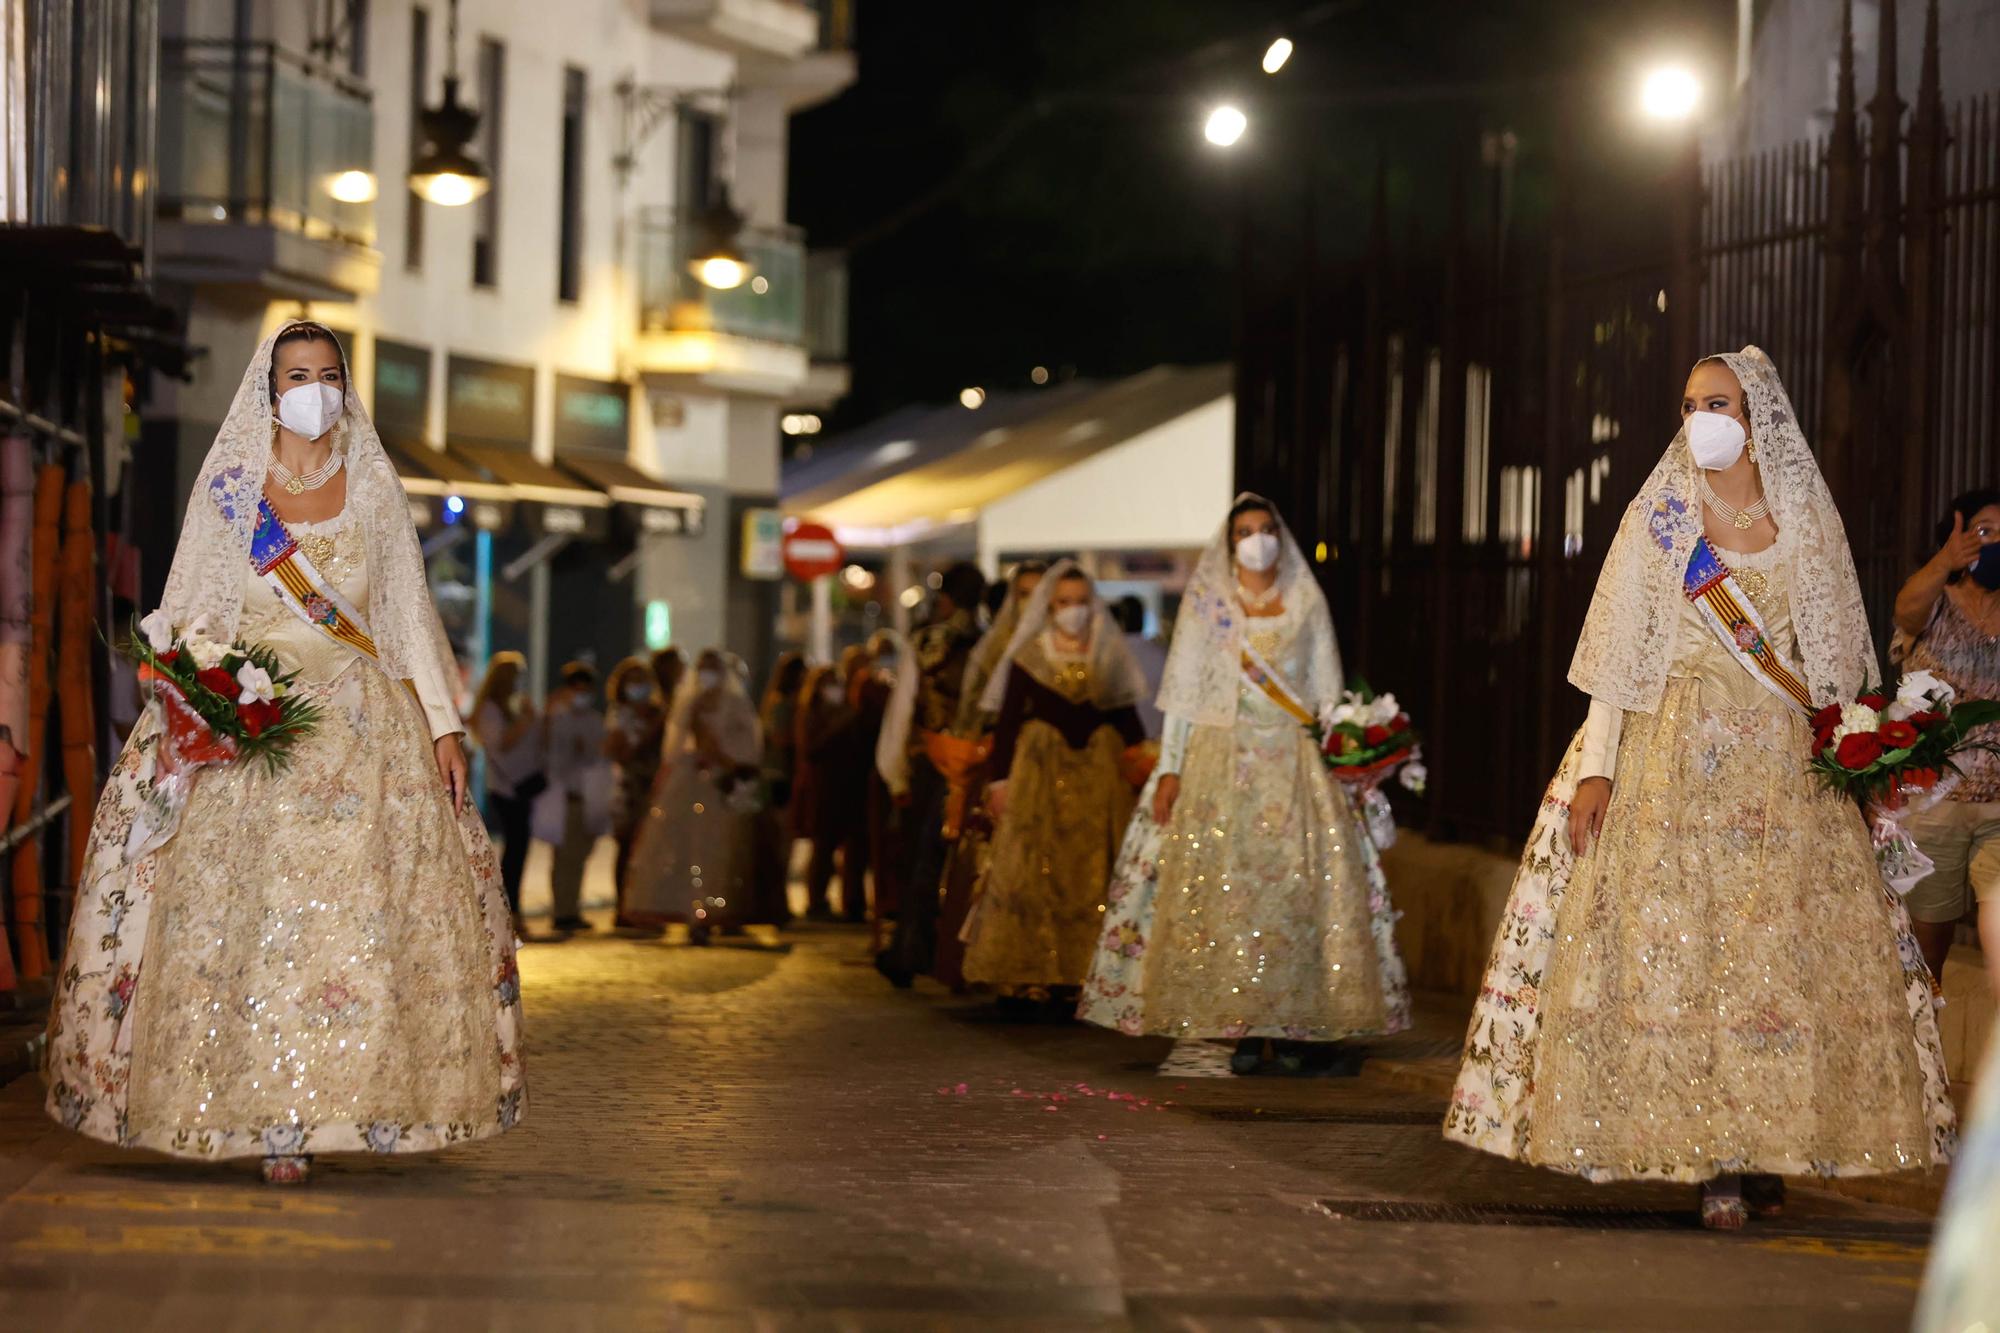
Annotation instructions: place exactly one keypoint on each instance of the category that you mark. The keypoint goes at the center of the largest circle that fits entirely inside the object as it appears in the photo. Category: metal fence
(1455, 434)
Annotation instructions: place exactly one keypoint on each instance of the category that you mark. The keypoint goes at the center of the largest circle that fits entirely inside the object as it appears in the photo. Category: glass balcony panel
(770, 306)
(253, 134)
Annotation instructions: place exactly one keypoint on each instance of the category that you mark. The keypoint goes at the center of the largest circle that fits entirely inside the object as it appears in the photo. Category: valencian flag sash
(279, 561)
(1261, 676)
(1722, 602)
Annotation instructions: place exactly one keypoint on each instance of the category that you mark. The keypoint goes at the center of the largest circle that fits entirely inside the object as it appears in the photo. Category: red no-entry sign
(812, 551)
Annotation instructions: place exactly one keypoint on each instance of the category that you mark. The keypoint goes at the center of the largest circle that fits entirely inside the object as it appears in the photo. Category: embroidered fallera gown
(314, 961)
(1041, 896)
(1724, 985)
(1260, 910)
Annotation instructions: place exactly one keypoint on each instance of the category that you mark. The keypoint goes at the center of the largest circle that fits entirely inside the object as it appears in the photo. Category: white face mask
(1257, 552)
(707, 680)
(1715, 440)
(831, 692)
(310, 409)
(1073, 620)
(637, 694)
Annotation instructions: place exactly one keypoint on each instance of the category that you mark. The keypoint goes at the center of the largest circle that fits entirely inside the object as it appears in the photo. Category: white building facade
(587, 432)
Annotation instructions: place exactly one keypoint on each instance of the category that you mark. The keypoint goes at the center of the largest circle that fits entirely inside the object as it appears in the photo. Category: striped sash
(1708, 583)
(1264, 678)
(275, 554)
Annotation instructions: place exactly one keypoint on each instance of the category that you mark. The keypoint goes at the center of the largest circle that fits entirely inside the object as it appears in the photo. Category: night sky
(1025, 183)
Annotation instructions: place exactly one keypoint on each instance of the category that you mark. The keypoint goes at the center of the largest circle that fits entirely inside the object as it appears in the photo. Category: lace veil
(206, 578)
(1116, 680)
(892, 745)
(1627, 644)
(986, 654)
(723, 710)
(1203, 665)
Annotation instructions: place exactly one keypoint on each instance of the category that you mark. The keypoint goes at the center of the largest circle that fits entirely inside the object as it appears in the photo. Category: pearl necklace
(1257, 601)
(297, 483)
(1741, 518)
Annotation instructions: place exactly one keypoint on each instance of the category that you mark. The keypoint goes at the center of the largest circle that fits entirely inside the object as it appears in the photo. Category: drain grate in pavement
(1363, 1116)
(1596, 1217)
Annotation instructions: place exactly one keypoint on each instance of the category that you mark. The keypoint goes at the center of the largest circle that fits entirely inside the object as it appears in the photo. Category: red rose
(1925, 719)
(1897, 735)
(1921, 779)
(169, 657)
(218, 680)
(1859, 750)
(1376, 735)
(257, 716)
(1875, 701)
(1401, 722)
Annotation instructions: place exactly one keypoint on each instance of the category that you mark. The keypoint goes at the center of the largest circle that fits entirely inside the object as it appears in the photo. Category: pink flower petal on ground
(1132, 1108)
(1102, 1137)
(944, 1092)
(1052, 1108)
(960, 1090)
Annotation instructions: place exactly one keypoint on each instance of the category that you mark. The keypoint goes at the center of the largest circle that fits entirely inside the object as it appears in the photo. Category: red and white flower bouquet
(1894, 755)
(1366, 737)
(222, 701)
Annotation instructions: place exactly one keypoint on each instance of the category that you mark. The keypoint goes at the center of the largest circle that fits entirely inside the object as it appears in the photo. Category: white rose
(159, 631)
(206, 652)
(1383, 711)
(1856, 719)
(256, 683)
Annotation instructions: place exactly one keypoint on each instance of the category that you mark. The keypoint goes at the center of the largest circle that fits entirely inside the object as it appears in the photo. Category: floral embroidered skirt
(1041, 899)
(1260, 911)
(317, 961)
(1721, 984)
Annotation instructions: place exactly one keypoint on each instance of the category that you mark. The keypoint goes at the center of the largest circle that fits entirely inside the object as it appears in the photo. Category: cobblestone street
(772, 1137)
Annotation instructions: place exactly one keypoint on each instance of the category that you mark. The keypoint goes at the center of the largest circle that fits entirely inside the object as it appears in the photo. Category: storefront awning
(939, 476)
(625, 483)
(433, 472)
(528, 477)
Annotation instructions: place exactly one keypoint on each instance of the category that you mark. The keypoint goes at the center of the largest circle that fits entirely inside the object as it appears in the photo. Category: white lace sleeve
(1601, 731)
(1173, 743)
(435, 695)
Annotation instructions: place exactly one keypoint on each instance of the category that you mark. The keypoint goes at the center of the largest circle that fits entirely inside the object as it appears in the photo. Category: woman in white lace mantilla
(1700, 975)
(318, 959)
(1247, 902)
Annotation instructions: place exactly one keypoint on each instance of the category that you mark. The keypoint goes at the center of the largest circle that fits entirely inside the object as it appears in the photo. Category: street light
(352, 186)
(717, 257)
(1225, 126)
(973, 397)
(1276, 54)
(1670, 93)
(446, 172)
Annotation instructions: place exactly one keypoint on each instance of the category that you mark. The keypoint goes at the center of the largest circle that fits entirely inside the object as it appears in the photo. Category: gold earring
(1750, 448)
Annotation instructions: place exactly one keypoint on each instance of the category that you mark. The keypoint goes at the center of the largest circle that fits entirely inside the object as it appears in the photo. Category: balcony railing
(826, 305)
(250, 133)
(771, 306)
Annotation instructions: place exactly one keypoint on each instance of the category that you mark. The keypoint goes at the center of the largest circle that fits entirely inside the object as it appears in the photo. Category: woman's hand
(1165, 794)
(1586, 813)
(996, 800)
(450, 752)
(1961, 548)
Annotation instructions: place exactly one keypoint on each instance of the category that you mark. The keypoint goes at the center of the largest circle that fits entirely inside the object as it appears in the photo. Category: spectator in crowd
(634, 718)
(575, 810)
(507, 727)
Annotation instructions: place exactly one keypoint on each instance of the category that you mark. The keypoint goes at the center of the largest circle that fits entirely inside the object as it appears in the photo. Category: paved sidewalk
(741, 1138)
